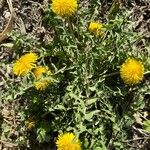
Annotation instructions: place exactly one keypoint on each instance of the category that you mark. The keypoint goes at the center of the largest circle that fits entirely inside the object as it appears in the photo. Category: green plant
(88, 96)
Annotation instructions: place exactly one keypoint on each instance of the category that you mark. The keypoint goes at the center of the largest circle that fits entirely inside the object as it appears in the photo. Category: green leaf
(8, 45)
(41, 132)
(59, 107)
(91, 101)
(100, 148)
(146, 125)
(90, 115)
(82, 128)
(93, 88)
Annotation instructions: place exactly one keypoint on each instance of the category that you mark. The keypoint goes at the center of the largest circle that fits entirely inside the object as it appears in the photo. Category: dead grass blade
(9, 26)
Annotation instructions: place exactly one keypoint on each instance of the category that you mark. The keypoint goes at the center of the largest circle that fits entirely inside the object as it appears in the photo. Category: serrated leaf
(82, 128)
(91, 101)
(90, 115)
(99, 148)
(146, 125)
(60, 107)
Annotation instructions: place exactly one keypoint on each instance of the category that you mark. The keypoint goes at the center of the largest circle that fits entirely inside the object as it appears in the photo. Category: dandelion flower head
(64, 8)
(42, 84)
(30, 123)
(39, 71)
(95, 28)
(68, 141)
(25, 64)
(132, 71)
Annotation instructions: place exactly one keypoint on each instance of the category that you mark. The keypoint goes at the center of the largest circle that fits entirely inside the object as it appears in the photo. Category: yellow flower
(42, 84)
(39, 71)
(25, 64)
(95, 28)
(64, 8)
(30, 123)
(68, 141)
(132, 71)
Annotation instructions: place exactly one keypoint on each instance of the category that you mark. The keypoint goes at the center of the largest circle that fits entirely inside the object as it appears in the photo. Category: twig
(8, 28)
(136, 139)
(141, 131)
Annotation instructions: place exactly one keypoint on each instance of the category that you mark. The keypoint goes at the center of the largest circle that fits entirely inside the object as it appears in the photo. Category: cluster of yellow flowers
(66, 8)
(42, 83)
(68, 141)
(27, 63)
(132, 71)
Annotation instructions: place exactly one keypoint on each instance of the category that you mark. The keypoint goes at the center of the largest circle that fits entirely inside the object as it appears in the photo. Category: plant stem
(148, 72)
(111, 74)
(71, 29)
(74, 38)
